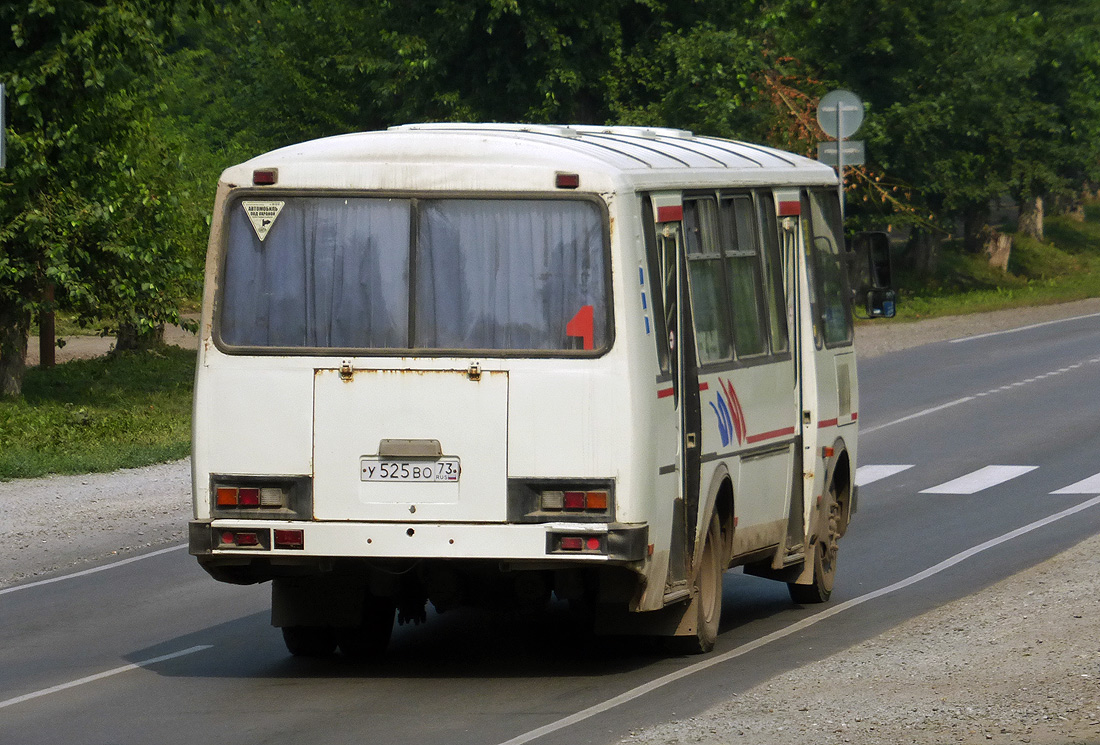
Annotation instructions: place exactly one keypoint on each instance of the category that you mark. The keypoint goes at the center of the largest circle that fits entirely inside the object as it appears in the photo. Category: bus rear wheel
(825, 553)
(368, 641)
(309, 641)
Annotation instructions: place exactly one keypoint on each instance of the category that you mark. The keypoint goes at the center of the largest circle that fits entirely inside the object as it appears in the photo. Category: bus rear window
(335, 273)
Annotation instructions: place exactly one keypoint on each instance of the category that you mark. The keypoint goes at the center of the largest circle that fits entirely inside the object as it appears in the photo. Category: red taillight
(587, 544)
(574, 500)
(240, 538)
(269, 497)
(247, 539)
(290, 539)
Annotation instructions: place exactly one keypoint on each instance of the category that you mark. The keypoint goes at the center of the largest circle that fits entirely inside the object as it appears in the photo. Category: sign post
(840, 113)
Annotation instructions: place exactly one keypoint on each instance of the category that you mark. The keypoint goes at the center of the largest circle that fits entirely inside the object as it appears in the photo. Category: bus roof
(605, 157)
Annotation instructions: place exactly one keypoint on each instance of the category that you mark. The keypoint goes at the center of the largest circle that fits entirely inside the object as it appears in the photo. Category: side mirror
(873, 281)
(881, 303)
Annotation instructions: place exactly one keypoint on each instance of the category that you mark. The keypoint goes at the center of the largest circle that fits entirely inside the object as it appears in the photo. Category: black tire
(706, 602)
(825, 555)
(369, 640)
(309, 641)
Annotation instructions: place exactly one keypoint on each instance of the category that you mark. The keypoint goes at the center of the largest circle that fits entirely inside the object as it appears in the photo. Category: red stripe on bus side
(664, 393)
(704, 387)
(827, 423)
(786, 432)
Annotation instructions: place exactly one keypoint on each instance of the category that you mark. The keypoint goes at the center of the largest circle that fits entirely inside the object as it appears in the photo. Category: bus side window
(654, 284)
(708, 303)
(773, 276)
(742, 255)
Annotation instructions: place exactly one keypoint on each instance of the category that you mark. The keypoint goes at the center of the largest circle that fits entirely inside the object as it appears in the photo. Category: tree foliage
(969, 100)
(124, 111)
(78, 208)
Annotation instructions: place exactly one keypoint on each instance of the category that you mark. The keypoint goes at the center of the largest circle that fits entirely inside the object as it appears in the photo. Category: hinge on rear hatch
(346, 371)
(474, 373)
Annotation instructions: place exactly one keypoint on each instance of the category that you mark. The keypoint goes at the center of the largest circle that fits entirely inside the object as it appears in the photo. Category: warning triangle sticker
(262, 216)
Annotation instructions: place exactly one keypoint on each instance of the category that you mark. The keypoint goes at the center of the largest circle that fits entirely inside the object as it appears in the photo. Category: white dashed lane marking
(871, 474)
(1091, 485)
(977, 481)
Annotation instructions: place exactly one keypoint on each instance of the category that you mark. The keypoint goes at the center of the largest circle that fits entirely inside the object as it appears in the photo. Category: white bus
(445, 362)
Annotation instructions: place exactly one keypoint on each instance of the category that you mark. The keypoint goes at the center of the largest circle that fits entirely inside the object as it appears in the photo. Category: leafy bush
(119, 411)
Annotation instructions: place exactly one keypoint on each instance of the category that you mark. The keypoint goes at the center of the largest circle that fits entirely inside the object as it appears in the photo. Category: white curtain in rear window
(330, 273)
(508, 274)
(490, 274)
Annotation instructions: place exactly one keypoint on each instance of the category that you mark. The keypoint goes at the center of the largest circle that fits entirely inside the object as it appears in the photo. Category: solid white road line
(1022, 328)
(870, 474)
(983, 394)
(1091, 485)
(93, 570)
(919, 414)
(101, 676)
(983, 478)
(794, 628)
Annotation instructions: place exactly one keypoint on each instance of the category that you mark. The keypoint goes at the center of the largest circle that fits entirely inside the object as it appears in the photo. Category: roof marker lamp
(567, 180)
(265, 176)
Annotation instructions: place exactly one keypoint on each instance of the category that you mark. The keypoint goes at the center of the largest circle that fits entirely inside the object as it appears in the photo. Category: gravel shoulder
(1017, 662)
(64, 522)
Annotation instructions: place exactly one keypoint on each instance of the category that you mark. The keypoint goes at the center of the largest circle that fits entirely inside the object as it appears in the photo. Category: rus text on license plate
(377, 469)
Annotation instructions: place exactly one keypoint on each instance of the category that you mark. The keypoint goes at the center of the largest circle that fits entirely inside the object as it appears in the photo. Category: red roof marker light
(265, 176)
(567, 180)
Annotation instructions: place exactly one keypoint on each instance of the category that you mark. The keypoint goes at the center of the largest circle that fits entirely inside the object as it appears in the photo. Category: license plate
(418, 471)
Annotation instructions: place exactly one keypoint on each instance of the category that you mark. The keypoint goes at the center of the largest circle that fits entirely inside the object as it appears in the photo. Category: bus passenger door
(784, 215)
(684, 373)
(832, 378)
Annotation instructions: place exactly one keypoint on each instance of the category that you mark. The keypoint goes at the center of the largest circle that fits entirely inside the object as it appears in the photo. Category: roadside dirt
(1016, 663)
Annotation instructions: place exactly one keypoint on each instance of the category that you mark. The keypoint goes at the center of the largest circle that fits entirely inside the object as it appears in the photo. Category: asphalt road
(154, 650)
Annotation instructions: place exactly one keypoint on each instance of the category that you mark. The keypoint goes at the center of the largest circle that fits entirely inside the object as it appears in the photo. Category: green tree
(969, 100)
(70, 214)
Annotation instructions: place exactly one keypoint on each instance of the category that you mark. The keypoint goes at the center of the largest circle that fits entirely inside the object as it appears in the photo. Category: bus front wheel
(705, 609)
(825, 553)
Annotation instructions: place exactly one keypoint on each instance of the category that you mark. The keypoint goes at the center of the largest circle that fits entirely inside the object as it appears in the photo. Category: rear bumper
(615, 542)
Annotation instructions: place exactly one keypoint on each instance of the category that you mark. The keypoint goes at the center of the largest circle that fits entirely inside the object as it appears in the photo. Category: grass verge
(100, 414)
(1063, 267)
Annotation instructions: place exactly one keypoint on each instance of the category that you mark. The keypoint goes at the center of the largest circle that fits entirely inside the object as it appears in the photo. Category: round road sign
(840, 113)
